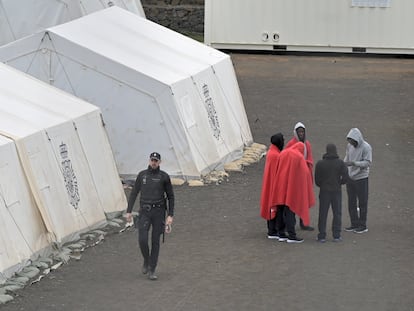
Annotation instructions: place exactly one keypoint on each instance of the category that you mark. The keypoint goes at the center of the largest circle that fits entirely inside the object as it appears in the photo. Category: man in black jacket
(330, 173)
(155, 187)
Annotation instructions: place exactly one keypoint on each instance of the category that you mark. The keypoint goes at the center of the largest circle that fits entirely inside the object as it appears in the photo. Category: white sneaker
(273, 237)
(294, 240)
(361, 230)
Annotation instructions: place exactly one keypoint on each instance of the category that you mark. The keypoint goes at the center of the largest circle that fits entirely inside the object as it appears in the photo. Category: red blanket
(268, 185)
(294, 185)
(309, 155)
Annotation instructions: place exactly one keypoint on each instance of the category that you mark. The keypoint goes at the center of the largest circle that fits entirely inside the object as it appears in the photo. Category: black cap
(155, 155)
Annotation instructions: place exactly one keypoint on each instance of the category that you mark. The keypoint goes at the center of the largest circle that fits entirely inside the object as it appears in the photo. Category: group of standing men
(287, 188)
(287, 191)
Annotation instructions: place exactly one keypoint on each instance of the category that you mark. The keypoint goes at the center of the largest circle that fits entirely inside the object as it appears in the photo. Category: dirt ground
(218, 256)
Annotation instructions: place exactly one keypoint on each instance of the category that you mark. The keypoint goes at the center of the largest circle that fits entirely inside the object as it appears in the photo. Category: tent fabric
(18, 19)
(55, 138)
(22, 231)
(158, 90)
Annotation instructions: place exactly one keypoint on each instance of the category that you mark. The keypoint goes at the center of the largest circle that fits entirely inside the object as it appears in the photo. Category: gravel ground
(218, 256)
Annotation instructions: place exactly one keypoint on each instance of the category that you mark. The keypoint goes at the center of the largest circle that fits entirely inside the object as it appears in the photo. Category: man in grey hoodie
(358, 158)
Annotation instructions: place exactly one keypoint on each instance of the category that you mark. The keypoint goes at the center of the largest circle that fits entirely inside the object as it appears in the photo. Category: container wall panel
(315, 25)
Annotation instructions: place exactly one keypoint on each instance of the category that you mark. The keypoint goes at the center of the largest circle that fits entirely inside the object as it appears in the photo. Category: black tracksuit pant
(327, 199)
(358, 198)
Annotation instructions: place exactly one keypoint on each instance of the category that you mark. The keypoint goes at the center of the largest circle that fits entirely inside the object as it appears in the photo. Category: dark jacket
(331, 172)
(154, 185)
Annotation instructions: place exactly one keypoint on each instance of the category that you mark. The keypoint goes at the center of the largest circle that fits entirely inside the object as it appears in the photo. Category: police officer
(155, 187)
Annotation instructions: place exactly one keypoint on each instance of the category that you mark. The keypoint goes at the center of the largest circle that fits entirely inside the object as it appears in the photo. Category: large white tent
(22, 231)
(158, 90)
(64, 154)
(20, 18)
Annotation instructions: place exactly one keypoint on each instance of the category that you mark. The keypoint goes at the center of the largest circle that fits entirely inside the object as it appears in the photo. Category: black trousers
(330, 199)
(276, 225)
(271, 227)
(286, 221)
(358, 197)
(155, 218)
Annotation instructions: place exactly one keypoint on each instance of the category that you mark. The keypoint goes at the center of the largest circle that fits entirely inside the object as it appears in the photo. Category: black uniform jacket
(154, 186)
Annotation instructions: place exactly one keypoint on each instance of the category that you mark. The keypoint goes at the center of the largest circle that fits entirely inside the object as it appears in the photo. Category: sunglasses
(155, 160)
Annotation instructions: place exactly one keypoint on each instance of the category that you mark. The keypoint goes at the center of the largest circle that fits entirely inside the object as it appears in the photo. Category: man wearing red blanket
(294, 188)
(268, 211)
(299, 134)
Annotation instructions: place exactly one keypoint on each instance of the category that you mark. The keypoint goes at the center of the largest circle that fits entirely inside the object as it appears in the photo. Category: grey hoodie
(361, 155)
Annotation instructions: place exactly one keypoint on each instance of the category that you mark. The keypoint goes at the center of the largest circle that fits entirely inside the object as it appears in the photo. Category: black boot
(144, 268)
(306, 228)
(152, 276)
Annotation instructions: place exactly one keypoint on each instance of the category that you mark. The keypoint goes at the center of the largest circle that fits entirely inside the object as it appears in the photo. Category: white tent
(20, 18)
(158, 90)
(22, 231)
(64, 153)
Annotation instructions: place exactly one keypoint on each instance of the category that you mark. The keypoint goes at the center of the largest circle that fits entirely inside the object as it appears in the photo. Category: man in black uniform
(155, 186)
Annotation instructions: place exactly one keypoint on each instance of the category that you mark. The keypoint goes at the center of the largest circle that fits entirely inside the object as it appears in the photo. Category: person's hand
(169, 220)
(128, 217)
(350, 163)
(168, 223)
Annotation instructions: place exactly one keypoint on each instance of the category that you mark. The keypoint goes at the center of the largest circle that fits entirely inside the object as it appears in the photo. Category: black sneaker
(294, 240)
(283, 237)
(307, 228)
(350, 228)
(337, 240)
(361, 230)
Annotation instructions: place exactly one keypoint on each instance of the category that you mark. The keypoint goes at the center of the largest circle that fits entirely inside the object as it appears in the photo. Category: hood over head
(299, 125)
(278, 140)
(356, 135)
(331, 151)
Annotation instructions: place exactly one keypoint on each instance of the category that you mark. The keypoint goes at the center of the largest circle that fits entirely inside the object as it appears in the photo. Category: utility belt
(149, 206)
